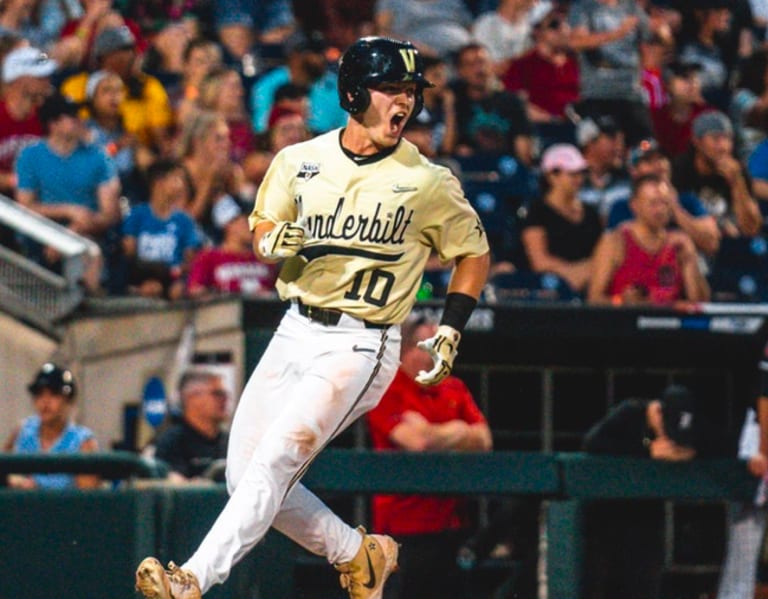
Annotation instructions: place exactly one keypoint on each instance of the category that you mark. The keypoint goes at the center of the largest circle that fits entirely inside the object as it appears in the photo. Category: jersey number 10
(377, 289)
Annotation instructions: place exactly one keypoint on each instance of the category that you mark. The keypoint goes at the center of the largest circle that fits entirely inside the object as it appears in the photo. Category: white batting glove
(443, 348)
(284, 241)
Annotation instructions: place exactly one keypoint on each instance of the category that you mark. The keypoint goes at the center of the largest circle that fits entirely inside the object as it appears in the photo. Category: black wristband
(458, 309)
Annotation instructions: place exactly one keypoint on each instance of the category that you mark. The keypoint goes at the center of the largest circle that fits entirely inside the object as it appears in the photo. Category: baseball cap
(298, 41)
(681, 68)
(57, 105)
(112, 39)
(27, 62)
(589, 129)
(225, 211)
(678, 408)
(646, 149)
(562, 157)
(711, 122)
(53, 377)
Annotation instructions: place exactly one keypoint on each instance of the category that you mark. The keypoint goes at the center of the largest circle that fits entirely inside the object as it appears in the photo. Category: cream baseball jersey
(370, 224)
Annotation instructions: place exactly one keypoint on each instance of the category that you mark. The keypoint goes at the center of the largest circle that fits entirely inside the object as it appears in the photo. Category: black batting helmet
(55, 378)
(371, 61)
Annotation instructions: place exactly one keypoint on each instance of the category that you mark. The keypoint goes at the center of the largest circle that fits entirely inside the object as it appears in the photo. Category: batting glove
(443, 348)
(284, 241)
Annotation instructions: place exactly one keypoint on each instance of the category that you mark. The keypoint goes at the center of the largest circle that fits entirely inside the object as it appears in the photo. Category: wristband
(458, 309)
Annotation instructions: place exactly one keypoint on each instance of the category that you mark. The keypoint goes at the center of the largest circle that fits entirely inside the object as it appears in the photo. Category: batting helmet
(371, 61)
(53, 377)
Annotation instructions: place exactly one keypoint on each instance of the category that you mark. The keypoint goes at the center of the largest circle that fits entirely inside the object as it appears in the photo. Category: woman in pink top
(642, 262)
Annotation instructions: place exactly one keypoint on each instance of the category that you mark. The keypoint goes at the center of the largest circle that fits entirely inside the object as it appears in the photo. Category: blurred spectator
(412, 417)
(82, 31)
(243, 25)
(490, 120)
(711, 171)
(439, 110)
(653, 57)
(70, 181)
(436, 27)
(146, 109)
(607, 36)
(711, 20)
(159, 238)
(164, 56)
(688, 213)
(286, 127)
(341, 21)
(642, 262)
(52, 430)
(221, 91)
(154, 17)
(204, 150)
(105, 93)
(749, 104)
(506, 31)
(560, 232)
(292, 96)
(659, 429)
(672, 121)
(201, 56)
(26, 83)
(602, 143)
(32, 21)
(195, 445)
(307, 65)
(231, 267)
(548, 75)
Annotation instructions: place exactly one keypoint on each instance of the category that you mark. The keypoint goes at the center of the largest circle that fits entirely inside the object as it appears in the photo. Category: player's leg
(746, 527)
(333, 385)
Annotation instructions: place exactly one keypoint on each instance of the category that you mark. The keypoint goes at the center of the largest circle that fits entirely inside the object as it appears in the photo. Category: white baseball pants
(312, 382)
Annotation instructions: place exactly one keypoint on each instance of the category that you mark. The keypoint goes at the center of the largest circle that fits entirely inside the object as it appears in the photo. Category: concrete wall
(112, 356)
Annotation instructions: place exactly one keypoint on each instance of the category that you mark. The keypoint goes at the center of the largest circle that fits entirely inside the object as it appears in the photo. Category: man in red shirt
(413, 417)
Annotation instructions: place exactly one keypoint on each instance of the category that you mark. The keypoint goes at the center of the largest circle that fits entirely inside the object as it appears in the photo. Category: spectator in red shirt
(231, 267)
(547, 76)
(672, 121)
(411, 417)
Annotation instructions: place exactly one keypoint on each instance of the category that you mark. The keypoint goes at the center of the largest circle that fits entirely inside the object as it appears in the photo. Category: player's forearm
(470, 275)
(762, 420)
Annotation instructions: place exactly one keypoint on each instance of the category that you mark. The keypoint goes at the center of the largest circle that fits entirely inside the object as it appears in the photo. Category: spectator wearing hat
(306, 64)
(672, 121)
(52, 430)
(547, 76)
(26, 73)
(560, 232)
(82, 30)
(607, 35)
(146, 108)
(159, 237)
(663, 428)
(642, 261)
(688, 213)
(602, 143)
(231, 267)
(711, 171)
(68, 180)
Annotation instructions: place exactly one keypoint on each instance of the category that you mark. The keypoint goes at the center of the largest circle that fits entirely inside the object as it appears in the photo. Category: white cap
(563, 157)
(225, 210)
(27, 61)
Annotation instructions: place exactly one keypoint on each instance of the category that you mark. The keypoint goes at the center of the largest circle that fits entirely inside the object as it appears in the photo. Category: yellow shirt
(140, 115)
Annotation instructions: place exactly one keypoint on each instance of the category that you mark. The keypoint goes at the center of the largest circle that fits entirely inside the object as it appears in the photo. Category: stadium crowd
(148, 126)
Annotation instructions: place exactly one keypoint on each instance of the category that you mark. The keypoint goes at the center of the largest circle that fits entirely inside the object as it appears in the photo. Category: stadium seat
(529, 286)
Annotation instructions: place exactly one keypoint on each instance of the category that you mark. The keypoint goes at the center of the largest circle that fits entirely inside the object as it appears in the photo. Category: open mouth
(397, 121)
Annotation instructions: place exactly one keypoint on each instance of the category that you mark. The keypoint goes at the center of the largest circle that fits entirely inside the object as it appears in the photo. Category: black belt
(330, 316)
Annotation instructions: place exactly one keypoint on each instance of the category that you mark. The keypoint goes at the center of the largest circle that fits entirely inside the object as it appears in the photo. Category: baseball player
(354, 214)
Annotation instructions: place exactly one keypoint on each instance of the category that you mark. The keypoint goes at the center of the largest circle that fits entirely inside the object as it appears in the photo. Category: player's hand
(284, 241)
(443, 347)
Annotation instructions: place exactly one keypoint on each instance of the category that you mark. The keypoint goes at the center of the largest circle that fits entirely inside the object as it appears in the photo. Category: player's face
(391, 105)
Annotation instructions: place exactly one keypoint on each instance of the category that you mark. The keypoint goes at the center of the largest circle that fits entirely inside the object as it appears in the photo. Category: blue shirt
(70, 441)
(757, 165)
(73, 179)
(161, 240)
(325, 112)
(621, 212)
(261, 15)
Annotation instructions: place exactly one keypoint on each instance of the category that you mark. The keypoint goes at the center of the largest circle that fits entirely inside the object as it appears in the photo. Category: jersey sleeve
(455, 228)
